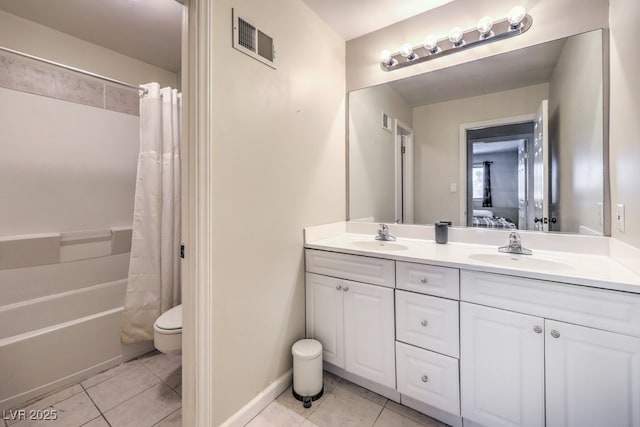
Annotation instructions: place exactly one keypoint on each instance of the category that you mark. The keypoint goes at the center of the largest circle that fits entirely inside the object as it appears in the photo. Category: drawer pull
(425, 378)
(424, 323)
(537, 329)
(555, 334)
(339, 287)
(424, 280)
(346, 288)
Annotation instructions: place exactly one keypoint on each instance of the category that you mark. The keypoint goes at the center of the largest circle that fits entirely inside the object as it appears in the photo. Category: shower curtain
(154, 269)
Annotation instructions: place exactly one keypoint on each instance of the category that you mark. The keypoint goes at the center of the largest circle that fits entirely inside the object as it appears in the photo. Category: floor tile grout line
(106, 379)
(379, 413)
(94, 404)
(167, 416)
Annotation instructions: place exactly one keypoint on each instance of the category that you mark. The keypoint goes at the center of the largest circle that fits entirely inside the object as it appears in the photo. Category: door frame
(403, 193)
(462, 164)
(197, 206)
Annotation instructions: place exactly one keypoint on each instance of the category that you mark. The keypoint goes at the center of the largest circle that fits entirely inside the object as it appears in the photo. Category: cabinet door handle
(555, 334)
(339, 287)
(425, 378)
(424, 323)
(424, 280)
(346, 288)
(537, 329)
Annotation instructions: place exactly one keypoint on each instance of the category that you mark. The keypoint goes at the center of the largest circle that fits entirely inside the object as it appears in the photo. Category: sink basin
(378, 245)
(520, 261)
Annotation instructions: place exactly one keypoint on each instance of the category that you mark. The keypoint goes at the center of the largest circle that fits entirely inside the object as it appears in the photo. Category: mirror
(510, 141)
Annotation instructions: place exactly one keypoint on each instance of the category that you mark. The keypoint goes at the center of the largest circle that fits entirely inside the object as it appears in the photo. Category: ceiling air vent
(248, 39)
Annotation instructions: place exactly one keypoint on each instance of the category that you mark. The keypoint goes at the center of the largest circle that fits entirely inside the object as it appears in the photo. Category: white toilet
(167, 331)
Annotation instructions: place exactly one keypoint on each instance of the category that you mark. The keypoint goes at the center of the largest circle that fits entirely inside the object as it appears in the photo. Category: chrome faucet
(514, 246)
(383, 234)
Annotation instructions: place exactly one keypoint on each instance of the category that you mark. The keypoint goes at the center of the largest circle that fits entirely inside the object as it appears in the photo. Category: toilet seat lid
(170, 319)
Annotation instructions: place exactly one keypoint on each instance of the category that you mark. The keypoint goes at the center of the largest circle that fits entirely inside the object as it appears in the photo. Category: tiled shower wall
(39, 78)
(69, 146)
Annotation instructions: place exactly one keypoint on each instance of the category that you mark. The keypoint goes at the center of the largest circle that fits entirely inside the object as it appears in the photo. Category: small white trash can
(307, 371)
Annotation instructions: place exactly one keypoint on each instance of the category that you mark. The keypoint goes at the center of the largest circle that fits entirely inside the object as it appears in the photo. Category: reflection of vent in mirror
(386, 122)
(248, 39)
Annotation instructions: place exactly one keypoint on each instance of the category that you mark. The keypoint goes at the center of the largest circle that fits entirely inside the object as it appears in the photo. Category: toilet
(167, 331)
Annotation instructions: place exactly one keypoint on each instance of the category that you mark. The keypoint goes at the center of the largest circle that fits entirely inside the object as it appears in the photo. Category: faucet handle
(383, 229)
(514, 237)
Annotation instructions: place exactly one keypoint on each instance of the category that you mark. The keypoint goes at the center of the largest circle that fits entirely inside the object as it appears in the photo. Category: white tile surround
(77, 282)
(592, 260)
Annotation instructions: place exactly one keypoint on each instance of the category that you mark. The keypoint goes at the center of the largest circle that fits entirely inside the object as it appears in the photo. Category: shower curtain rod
(77, 70)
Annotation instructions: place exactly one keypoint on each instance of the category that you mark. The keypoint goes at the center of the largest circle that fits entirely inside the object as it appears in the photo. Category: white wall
(437, 144)
(27, 36)
(624, 113)
(576, 132)
(371, 152)
(278, 153)
(551, 20)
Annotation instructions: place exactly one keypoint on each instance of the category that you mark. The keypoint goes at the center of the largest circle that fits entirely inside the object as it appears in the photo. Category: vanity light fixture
(516, 23)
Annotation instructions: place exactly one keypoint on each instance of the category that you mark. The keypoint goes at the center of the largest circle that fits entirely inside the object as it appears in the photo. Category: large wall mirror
(512, 141)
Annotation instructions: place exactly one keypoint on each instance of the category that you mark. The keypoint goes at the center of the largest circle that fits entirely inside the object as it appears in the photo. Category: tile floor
(342, 404)
(144, 392)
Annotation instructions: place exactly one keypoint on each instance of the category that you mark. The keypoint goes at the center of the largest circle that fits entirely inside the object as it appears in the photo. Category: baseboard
(261, 401)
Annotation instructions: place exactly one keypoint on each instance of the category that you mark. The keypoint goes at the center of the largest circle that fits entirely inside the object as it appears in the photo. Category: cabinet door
(369, 332)
(592, 377)
(501, 367)
(325, 316)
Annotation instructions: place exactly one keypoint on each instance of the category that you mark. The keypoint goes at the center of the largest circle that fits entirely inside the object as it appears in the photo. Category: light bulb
(431, 44)
(516, 15)
(455, 36)
(406, 50)
(385, 56)
(484, 26)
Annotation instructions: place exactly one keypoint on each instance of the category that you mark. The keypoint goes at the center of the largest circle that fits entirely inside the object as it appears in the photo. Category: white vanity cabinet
(523, 369)
(354, 321)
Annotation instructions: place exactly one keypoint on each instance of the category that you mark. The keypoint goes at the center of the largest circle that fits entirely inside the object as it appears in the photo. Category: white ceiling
(148, 30)
(354, 18)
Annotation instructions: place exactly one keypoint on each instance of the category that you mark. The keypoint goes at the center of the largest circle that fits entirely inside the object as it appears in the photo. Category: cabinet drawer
(428, 279)
(352, 267)
(427, 322)
(598, 308)
(428, 377)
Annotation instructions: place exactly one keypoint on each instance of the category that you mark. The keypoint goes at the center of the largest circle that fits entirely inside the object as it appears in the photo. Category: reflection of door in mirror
(404, 173)
(498, 178)
(541, 169)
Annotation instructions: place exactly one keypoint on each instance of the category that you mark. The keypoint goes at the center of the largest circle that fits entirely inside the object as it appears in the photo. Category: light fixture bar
(471, 38)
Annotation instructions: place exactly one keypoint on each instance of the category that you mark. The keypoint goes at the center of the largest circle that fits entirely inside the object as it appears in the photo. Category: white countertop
(599, 271)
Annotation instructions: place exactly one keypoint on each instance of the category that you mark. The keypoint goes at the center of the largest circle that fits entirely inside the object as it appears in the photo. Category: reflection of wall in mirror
(437, 139)
(576, 129)
(371, 152)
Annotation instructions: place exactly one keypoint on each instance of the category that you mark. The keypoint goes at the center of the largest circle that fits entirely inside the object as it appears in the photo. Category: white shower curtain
(154, 270)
